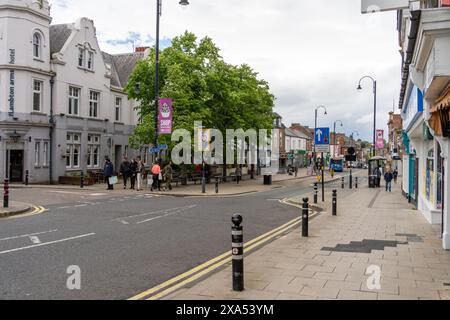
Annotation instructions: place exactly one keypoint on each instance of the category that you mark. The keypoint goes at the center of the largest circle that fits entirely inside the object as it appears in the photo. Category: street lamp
(374, 107)
(183, 3)
(315, 129)
(334, 150)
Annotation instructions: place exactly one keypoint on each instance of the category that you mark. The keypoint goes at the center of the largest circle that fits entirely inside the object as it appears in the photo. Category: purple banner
(380, 140)
(165, 116)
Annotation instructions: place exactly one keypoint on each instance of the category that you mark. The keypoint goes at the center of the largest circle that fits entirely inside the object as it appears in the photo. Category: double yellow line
(35, 211)
(196, 273)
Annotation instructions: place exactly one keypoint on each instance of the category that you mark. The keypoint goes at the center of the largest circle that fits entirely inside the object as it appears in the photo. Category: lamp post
(315, 129)
(334, 142)
(158, 15)
(374, 108)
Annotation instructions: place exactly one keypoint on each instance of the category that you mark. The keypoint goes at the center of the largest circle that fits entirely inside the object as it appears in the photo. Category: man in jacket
(388, 177)
(125, 170)
(108, 172)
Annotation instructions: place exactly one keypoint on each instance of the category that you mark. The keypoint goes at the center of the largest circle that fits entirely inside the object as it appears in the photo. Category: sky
(311, 52)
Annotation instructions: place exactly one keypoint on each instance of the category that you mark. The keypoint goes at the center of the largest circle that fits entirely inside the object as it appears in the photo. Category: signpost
(322, 144)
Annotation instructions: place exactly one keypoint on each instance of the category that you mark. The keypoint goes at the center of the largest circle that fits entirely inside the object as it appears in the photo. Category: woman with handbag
(108, 172)
(156, 172)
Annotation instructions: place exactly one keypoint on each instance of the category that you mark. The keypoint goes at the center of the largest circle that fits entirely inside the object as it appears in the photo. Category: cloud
(311, 52)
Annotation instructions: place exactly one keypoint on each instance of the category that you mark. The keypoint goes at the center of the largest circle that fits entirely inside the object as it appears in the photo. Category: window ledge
(95, 119)
(119, 123)
(86, 69)
(74, 116)
(38, 59)
(38, 113)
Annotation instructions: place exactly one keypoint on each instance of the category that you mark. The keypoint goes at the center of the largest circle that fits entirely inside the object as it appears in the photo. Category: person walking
(108, 172)
(133, 173)
(238, 173)
(125, 171)
(395, 173)
(168, 171)
(140, 173)
(156, 172)
(378, 173)
(388, 177)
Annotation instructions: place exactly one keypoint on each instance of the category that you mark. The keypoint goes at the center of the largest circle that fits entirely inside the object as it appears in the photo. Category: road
(126, 244)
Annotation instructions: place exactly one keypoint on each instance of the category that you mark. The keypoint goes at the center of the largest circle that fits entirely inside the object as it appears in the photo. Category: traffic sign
(163, 147)
(154, 150)
(323, 148)
(322, 136)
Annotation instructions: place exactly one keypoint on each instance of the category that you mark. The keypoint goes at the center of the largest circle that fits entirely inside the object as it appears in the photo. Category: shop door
(16, 165)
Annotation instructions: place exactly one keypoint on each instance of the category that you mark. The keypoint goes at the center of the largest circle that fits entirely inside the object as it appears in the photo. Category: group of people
(161, 175)
(133, 170)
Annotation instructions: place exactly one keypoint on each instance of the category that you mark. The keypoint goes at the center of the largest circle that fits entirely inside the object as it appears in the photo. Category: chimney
(141, 49)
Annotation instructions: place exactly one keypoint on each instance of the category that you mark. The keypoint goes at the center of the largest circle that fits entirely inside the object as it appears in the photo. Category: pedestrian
(133, 172)
(156, 172)
(168, 171)
(108, 172)
(140, 173)
(125, 171)
(395, 173)
(238, 173)
(388, 177)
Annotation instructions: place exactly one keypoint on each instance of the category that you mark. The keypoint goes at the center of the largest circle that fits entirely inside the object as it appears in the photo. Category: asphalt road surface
(126, 244)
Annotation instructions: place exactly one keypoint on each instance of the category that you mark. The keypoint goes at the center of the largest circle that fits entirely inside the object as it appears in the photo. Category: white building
(62, 104)
(424, 35)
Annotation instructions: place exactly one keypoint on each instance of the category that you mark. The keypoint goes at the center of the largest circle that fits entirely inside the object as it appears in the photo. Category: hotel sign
(372, 6)
(12, 82)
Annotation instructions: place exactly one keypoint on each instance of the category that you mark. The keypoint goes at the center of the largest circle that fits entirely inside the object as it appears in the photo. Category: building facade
(63, 107)
(424, 36)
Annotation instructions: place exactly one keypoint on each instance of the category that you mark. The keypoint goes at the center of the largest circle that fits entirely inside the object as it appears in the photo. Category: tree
(203, 88)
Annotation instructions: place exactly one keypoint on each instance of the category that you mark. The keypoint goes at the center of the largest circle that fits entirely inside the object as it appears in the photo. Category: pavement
(377, 248)
(14, 208)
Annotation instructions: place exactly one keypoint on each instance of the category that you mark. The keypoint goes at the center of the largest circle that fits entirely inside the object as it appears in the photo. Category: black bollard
(6, 193)
(334, 202)
(351, 179)
(27, 177)
(82, 180)
(305, 218)
(217, 185)
(316, 193)
(356, 182)
(238, 253)
(343, 183)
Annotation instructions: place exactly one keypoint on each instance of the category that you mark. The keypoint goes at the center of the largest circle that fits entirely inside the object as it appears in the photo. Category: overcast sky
(311, 52)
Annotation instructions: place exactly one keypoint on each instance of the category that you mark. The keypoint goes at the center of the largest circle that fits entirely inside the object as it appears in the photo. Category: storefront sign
(12, 82)
(165, 116)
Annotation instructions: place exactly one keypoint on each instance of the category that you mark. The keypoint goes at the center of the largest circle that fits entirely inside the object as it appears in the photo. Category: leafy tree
(203, 88)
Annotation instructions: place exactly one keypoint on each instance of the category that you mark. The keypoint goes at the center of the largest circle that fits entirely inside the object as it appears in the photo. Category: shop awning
(440, 112)
(443, 102)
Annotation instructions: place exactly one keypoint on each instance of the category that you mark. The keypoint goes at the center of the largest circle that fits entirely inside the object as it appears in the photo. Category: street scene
(182, 156)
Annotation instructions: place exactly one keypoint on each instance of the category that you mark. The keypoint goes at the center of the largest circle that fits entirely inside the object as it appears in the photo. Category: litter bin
(267, 180)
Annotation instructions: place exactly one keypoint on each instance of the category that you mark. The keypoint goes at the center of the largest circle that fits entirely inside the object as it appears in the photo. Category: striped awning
(443, 102)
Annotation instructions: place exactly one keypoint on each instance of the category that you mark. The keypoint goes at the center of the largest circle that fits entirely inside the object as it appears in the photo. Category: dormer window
(81, 57)
(37, 44)
(85, 59)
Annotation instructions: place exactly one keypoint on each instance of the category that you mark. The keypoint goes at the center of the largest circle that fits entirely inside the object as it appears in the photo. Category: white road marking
(46, 243)
(164, 211)
(124, 222)
(27, 235)
(35, 240)
(167, 214)
(98, 194)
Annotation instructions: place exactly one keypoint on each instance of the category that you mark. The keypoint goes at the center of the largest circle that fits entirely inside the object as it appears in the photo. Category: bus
(337, 164)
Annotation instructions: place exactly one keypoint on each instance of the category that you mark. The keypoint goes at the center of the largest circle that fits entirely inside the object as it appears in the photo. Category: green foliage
(203, 88)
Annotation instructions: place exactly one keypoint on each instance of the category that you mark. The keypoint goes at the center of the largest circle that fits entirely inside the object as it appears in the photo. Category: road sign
(322, 136)
(163, 147)
(323, 148)
(154, 150)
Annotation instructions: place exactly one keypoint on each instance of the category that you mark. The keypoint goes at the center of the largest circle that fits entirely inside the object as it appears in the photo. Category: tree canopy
(203, 88)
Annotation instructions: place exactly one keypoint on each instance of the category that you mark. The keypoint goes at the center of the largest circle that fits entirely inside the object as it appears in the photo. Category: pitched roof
(59, 33)
(108, 59)
(125, 64)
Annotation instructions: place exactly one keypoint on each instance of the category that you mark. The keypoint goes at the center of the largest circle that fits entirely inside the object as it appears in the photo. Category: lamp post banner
(165, 116)
(380, 140)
